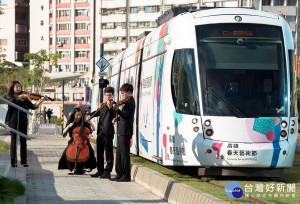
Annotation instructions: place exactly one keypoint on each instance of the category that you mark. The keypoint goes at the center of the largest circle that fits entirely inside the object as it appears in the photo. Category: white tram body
(180, 73)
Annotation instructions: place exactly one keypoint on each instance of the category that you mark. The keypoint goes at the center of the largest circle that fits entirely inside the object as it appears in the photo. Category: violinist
(125, 131)
(74, 121)
(105, 135)
(17, 96)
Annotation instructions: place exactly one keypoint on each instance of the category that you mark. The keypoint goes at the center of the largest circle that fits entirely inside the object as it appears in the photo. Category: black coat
(105, 125)
(126, 117)
(11, 118)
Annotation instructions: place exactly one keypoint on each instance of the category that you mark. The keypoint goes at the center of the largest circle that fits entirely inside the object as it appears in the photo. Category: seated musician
(77, 167)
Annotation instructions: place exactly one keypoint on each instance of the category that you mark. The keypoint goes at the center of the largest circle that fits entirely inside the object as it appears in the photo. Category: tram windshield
(242, 70)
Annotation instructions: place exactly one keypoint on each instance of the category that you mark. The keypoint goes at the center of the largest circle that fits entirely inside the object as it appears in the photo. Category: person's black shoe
(25, 165)
(115, 178)
(97, 174)
(105, 175)
(14, 165)
(123, 179)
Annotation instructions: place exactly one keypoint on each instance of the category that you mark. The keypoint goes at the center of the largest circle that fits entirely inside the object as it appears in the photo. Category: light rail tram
(214, 89)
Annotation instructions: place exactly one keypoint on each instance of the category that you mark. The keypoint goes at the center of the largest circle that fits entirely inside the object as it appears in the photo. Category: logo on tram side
(233, 189)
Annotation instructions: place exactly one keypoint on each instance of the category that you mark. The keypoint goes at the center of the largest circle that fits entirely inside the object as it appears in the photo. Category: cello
(78, 150)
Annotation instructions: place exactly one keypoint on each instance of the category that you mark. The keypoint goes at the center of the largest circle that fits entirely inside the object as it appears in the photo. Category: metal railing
(19, 108)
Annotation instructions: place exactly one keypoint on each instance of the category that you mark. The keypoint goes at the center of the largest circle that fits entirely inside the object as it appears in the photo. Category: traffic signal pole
(101, 77)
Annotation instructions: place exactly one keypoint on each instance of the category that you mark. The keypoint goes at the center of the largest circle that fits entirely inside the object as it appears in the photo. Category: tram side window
(184, 82)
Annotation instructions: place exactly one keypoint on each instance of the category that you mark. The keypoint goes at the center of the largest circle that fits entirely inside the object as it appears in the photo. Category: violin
(121, 102)
(104, 104)
(33, 96)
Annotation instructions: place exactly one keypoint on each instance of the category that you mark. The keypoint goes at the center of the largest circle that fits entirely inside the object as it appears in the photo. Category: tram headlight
(207, 123)
(209, 132)
(293, 122)
(283, 133)
(208, 151)
(292, 131)
(284, 124)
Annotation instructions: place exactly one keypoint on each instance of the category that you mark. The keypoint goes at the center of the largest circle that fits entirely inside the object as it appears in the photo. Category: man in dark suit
(125, 131)
(105, 134)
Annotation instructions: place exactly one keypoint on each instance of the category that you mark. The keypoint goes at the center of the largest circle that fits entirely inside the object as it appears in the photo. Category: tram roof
(233, 11)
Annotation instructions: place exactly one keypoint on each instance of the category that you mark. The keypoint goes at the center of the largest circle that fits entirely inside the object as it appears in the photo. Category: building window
(21, 42)
(50, 14)
(19, 56)
(266, 2)
(78, 96)
(3, 2)
(291, 3)
(82, 54)
(64, 54)
(42, 22)
(3, 42)
(80, 26)
(82, 40)
(42, 7)
(62, 1)
(21, 16)
(291, 19)
(278, 2)
(245, 3)
(21, 28)
(148, 9)
(63, 40)
(42, 37)
(81, 12)
(81, 67)
(63, 26)
(133, 10)
(50, 41)
(58, 97)
(108, 25)
(63, 13)
(64, 68)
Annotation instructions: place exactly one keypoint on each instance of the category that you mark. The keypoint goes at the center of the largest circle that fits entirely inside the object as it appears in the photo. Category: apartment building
(65, 27)
(122, 22)
(14, 33)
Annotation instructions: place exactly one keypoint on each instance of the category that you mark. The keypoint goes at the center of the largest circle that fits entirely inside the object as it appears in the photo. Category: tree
(37, 73)
(11, 72)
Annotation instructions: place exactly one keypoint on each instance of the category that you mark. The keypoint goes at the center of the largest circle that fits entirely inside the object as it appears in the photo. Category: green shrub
(9, 189)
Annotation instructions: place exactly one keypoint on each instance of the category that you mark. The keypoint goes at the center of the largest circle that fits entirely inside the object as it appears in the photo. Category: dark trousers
(123, 156)
(23, 146)
(105, 143)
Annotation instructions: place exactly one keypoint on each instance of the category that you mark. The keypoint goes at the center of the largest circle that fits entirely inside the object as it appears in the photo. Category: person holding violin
(105, 135)
(20, 98)
(75, 121)
(125, 131)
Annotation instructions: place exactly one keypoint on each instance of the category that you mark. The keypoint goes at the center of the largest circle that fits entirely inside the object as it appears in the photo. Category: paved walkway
(46, 184)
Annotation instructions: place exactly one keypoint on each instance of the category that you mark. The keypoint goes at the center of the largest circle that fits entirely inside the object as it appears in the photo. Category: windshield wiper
(236, 111)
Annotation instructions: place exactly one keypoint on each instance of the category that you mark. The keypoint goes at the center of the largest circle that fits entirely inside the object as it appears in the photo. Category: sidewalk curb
(169, 189)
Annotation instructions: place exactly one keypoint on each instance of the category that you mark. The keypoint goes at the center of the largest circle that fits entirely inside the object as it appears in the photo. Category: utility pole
(127, 23)
(62, 106)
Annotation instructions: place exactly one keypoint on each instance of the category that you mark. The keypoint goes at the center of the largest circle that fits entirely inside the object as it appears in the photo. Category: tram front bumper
(261, 155)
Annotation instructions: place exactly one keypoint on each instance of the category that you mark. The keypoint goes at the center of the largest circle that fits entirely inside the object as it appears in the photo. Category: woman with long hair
(75, 120)
(17, 96)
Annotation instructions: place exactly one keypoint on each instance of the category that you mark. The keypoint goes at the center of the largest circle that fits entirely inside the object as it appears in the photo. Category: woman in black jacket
(17, 96)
